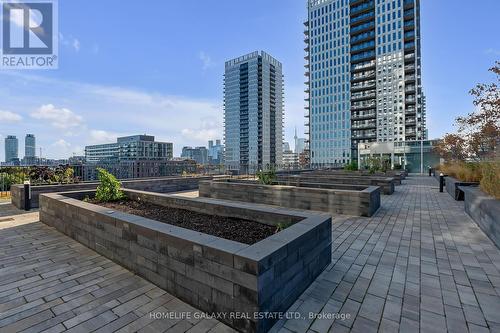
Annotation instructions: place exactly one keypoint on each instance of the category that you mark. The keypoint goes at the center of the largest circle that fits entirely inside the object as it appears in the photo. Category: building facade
(253, 112)
(197, 154)
(135, 169)
(215, 152)
(11, 149)
(30, 146)
(130, 148)
(363, 72)
(413, 156)
(290, 160)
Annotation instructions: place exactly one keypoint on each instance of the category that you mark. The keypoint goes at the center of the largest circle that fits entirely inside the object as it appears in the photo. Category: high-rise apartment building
(29, 146)
(11, 149)
(215, 152)
(198, 154)
(363, 74)
(253, 112)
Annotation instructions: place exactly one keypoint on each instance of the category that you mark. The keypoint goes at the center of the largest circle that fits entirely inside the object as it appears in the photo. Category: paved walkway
(419, 264)
(51, 283)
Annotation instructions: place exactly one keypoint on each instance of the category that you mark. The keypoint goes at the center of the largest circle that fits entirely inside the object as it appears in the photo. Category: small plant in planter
(266, 177)
(353, 166)
(282, 226)
(109, 187)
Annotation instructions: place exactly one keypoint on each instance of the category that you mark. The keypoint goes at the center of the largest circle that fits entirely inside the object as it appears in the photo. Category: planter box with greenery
(211, 273)
(484, 210)
(359, 201)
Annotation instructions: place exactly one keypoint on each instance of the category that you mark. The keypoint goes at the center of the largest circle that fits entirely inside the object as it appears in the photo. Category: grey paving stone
(364, 325)
(372, 308)
(455, 320)
(432, 304)
(409, 325)
(432, 322)
(350, 308)
(474, 315)
(490, 305)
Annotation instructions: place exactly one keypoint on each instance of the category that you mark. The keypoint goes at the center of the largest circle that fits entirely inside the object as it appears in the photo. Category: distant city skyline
(104, 88)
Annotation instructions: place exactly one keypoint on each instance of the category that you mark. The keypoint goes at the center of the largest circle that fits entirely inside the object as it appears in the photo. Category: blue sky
(157, 67)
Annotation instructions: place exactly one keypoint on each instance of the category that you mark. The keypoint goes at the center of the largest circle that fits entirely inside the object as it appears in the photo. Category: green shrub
(266, 177)
(490, 183)
(109, 187)
(353, 166)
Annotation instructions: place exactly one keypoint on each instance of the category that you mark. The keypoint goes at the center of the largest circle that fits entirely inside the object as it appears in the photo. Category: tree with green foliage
(109, 187)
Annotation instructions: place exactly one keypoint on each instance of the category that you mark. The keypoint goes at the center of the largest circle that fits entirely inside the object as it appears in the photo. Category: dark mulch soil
(239, 230)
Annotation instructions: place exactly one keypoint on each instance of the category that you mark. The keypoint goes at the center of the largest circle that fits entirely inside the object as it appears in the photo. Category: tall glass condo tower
(253, 113)
(363, 76)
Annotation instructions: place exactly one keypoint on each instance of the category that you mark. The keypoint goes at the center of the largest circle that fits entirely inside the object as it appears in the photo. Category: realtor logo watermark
(29, 32)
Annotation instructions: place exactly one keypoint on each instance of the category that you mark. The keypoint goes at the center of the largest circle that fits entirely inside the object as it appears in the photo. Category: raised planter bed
(387, 184)
(211, 273)
(453, 187)
(363, 201)
(160, 185)
(398, 175)
(484, 210)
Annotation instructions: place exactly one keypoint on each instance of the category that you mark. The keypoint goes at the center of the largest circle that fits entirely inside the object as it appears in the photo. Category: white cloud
(70, 42)
(61, 143)
(7, 116)
(109, 112)
(206, 61)
(60, 118)
(66, 149)
(100, 136)
(76, 44)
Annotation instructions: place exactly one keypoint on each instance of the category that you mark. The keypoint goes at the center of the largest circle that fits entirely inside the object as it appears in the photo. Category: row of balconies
(363, 36)
(362, 27)
(363, 65)
(363, 134)
(363, 105)
(363, 124)
(356, 9)
(361, 115)
(363, 75)
(363, 95)
(363, 17)
(363, 85)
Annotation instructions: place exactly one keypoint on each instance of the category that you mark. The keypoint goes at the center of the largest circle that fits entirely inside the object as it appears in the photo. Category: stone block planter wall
(360, 203)
(210, 273)
(484, 210)
(387, 184)
(160, 185)
(453, 186)
(398, 175)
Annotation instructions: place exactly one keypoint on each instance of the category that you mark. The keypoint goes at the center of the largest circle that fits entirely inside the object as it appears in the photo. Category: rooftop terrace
(420, 263)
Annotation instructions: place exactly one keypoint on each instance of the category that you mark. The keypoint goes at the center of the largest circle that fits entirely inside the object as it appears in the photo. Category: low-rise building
(130, 148)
